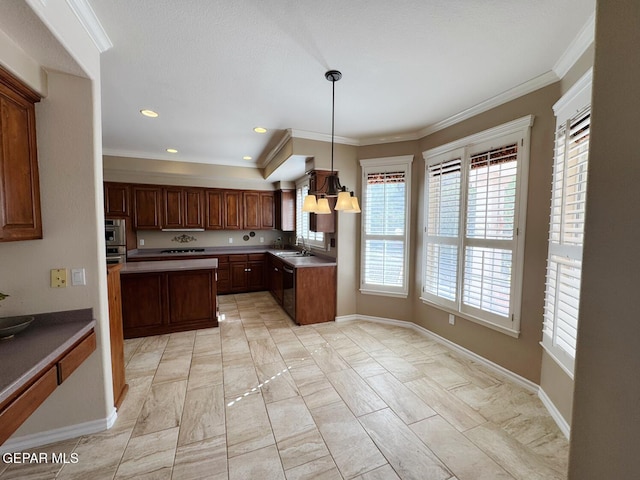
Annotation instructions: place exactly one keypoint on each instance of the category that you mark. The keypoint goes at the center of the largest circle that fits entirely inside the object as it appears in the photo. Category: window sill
(555, 358)
(498, 328)
(365, 291)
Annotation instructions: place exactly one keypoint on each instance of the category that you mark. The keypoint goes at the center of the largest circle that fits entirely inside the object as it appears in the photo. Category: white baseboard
(514, 377)
(563, 425)
(26, 442)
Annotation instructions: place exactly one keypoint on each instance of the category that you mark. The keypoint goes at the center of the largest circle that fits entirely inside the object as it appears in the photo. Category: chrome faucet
(304, 246)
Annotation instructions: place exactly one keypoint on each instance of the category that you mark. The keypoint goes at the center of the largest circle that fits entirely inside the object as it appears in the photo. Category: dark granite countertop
(154, 254)
(25, 355)
(169, 265)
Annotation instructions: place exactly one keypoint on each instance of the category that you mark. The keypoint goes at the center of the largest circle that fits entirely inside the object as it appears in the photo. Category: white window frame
(312, 239)
(385, 165)
(517, 131)
(571, 106)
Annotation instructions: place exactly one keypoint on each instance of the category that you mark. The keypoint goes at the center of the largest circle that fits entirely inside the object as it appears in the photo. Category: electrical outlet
(141, 241)
(452, 319)
(78, 277)
(58, 278)
(261, 239)
(230, 239)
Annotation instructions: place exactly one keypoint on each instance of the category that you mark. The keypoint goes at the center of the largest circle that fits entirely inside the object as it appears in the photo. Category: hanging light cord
(333, 116)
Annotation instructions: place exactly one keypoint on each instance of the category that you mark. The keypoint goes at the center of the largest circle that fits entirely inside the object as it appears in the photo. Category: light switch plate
(78, 277)
(58, 278)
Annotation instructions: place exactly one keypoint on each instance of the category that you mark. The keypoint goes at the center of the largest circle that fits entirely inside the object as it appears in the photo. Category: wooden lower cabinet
(18, 407)
(166, 302)
(247, 272)
(116, 335)
(274, 274)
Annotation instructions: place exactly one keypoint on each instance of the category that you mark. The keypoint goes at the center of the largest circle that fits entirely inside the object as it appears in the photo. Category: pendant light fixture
(346, 200)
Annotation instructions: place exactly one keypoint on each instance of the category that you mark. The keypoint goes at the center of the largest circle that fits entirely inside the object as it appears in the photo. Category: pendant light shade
(323, 206)
(331, 186)
(310, 204)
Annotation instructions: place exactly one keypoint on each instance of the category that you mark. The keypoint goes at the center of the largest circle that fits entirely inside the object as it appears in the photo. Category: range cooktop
(183, 250)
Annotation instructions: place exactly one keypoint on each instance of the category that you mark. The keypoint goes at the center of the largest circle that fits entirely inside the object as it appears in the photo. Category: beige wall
(521, 355)
(606, 415)
(68, 156)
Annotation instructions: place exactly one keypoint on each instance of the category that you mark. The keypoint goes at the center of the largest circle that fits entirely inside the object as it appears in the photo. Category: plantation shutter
(302, 219)
(444, 181)
(566, 236)
(385, 228)
(490, 234)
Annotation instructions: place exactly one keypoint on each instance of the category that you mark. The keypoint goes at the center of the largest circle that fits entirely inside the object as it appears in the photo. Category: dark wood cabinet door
(147, 209)
(143, 302)
(255, 276)
(173, 207)
(116, 335)
(274, 274)
(232, 210)
(214, 201)
(267, 214)
(194, 208)
(285, 210)
(192, 296)
(20, 217)
(252, 210)
(116, 199)
(238, 276)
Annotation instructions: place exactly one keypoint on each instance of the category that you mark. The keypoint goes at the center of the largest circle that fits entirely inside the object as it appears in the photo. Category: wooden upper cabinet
(285, 210)
(258, 211)
(183, 207)
(20, 217)
(232, 209)
(147, 207)
(116, 199)
(173, 207)
(327, 222)
(194, 210)
(214, 214)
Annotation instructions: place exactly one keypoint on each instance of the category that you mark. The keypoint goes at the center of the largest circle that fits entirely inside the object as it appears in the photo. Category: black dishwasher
(289, 291)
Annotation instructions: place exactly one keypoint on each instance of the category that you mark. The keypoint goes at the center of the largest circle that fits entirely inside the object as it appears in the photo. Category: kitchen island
(168, 296)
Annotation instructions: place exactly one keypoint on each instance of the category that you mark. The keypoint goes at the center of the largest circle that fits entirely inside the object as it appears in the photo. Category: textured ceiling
(214, 69)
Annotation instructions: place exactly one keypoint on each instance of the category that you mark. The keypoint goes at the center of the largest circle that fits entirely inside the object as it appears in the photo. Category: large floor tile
(162, 409)
(259, 464)
(355, 392)
(149, 456)
(203, 414)
(248, 426)
(203, 460)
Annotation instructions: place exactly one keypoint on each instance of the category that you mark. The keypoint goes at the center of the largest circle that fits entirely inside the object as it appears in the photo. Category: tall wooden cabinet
(120, 386)
(20, 217)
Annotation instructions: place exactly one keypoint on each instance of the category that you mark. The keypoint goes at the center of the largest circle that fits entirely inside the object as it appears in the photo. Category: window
(386, 187)
(566, 231)
(475, 195)
(315, 239)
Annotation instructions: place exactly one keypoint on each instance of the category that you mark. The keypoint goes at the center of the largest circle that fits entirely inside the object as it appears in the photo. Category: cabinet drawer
(237, 258)
(76, 356)
(25, 404)
(256, 257)
(223, 259)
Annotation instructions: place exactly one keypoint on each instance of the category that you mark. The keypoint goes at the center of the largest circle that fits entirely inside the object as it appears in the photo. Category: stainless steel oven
(115, 232)
(117, 254)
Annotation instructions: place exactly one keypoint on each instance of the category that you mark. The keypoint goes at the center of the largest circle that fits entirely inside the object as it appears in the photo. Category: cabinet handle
(248, 269)
(275, 269)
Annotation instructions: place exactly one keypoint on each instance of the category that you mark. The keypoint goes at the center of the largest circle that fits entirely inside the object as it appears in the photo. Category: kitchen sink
(293, 254)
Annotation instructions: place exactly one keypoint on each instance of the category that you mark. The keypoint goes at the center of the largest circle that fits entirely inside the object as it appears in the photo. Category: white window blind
(385, 226)
(474, 224)
(302, 219)
(566, 234)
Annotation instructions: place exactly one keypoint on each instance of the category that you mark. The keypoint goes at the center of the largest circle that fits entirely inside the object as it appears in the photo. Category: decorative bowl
(9, 326)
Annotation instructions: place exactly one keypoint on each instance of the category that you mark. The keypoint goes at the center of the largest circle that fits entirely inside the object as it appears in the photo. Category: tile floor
(261, 398)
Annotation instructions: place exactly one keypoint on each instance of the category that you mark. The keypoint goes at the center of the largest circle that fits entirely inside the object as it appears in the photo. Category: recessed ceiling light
(149, 113)
(247, 157)
(260, 130)
(172, 150)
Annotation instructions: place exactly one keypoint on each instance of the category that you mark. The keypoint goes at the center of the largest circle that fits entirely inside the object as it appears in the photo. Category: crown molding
(323, 137)
(112, 152)
(91, 24)
(276, 149)
(576, 48)
(516, 92)
(393, 138)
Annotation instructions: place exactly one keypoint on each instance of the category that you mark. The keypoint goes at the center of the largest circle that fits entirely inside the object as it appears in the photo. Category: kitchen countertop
(24, 356)
(169, 265)
(155, 253)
